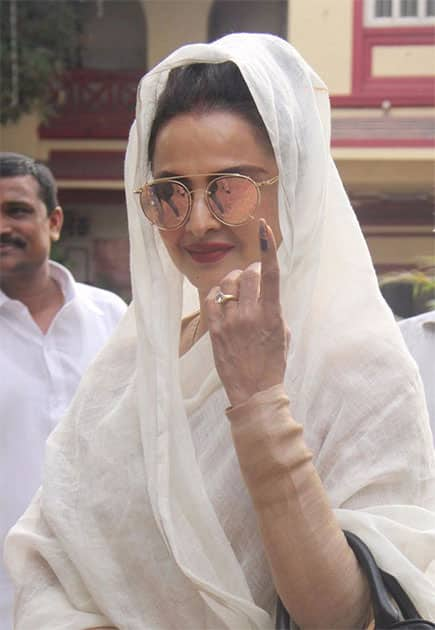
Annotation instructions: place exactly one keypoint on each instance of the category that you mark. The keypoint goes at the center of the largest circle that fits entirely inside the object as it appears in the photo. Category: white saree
(143, 520)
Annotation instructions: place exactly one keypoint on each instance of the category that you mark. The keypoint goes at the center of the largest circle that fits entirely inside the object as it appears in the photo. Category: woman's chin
(204, 280)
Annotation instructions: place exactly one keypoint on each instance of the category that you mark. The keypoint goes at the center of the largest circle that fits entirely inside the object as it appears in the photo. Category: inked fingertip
(262, 230)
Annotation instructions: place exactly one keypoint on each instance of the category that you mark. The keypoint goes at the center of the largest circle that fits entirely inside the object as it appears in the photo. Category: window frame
(396, 20)
(368, 90)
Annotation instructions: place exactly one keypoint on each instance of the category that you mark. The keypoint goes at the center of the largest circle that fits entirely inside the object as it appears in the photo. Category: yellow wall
(406, 250)
(399, 171)
(21, 137)
(399, 61)
(174, 23)
(322, 31)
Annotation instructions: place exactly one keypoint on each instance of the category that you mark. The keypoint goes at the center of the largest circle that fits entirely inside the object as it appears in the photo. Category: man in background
(419, 335)
(51, 327)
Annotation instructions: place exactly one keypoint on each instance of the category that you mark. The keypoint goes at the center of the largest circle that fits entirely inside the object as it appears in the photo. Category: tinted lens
(232, 199)
(165, 204)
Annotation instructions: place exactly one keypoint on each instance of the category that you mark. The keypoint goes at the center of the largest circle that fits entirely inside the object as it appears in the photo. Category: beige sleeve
(314, 569)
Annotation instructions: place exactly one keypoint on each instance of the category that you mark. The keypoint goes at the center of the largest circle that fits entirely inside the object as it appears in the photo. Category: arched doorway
(113, 35)
(250, 16)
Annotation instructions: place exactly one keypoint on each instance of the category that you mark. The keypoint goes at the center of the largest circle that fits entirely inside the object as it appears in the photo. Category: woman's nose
(201, 219)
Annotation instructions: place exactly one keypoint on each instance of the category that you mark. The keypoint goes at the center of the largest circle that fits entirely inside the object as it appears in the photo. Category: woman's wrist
(269, 444)
(239, 396)
(251, 403)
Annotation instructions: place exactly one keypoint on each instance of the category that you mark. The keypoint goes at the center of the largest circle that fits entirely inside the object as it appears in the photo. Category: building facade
(376, 56)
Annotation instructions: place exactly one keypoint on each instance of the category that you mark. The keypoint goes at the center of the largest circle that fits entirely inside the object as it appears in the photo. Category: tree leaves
(47, 43)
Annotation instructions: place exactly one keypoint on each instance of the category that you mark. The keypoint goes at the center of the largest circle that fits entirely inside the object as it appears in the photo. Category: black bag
(384, 588)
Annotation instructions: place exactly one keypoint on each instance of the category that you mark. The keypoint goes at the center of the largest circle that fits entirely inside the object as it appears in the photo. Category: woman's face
(204, 249)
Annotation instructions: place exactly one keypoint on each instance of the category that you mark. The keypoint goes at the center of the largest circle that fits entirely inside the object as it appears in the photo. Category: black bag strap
(406, 606)
(383, 587)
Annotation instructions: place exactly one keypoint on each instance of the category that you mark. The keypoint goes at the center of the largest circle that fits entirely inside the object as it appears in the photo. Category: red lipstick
(209, 252)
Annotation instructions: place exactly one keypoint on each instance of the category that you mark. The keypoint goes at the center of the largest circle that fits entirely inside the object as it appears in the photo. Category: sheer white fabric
(143, 518)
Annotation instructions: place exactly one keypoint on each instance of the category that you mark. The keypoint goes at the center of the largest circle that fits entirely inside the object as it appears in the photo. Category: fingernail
(263, 237)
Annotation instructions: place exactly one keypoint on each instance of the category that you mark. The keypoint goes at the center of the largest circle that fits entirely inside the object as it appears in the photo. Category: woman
(156, 512)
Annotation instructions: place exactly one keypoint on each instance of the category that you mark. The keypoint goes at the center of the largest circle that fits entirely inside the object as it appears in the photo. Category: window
(408, 8)
(399, 12)
(383, 8)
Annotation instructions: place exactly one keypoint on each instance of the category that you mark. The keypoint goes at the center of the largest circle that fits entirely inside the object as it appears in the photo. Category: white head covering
(136, 516)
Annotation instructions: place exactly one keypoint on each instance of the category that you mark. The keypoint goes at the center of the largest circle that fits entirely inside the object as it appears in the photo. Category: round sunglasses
(232, 199)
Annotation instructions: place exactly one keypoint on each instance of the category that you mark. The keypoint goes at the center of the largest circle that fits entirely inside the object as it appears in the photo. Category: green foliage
(47, 43)
(423, 292)
(409, 293)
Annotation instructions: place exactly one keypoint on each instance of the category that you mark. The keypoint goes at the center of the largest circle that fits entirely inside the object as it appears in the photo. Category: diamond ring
(221, 298)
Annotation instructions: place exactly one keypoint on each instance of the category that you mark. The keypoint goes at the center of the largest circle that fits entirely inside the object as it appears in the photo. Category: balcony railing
(93, 104)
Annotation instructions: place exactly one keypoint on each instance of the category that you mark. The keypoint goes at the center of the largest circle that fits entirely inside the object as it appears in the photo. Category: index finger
(269, 292)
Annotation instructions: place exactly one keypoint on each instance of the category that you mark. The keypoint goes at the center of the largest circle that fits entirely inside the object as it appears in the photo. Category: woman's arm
(315, 571)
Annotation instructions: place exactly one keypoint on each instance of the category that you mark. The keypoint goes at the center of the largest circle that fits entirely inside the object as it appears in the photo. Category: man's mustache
(15, 241)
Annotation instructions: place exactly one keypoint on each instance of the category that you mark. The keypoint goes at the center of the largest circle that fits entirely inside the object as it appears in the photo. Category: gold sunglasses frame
(216, 176)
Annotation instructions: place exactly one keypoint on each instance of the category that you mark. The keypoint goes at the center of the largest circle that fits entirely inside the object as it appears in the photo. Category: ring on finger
(222, 298)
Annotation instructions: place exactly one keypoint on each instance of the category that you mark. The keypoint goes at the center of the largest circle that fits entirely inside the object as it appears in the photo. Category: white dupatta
(133, 524)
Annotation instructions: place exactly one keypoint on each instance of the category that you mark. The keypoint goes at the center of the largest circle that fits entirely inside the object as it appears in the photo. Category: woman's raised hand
(249, 336)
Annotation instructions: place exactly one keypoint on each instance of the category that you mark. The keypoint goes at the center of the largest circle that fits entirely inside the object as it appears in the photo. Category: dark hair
(204, 87)
(16, 165)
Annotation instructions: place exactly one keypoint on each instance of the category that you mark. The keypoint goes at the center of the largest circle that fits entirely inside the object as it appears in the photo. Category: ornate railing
(93, 104)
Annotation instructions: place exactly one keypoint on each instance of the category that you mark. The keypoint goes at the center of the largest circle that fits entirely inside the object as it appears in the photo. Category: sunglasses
(231, 198)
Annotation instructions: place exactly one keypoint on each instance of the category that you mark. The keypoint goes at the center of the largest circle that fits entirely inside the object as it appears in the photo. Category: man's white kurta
(419, 334)
(39, 376)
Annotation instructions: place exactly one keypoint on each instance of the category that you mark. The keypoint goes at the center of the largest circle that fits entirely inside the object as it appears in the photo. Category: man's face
(26, 230)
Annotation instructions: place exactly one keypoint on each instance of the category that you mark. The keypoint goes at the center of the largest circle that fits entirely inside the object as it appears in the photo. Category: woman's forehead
(209, 142)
